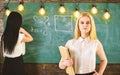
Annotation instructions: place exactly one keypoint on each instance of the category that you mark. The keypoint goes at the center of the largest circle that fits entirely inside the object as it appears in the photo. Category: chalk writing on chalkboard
(63, 23)
(40, 22)
(42, 27)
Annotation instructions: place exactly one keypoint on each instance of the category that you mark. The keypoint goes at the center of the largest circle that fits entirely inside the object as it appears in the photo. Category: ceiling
(82, 1)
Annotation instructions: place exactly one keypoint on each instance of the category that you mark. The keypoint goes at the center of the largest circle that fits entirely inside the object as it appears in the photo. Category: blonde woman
(84, 47)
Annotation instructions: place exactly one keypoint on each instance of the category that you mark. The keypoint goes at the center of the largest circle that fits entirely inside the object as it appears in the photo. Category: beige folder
(64, 54)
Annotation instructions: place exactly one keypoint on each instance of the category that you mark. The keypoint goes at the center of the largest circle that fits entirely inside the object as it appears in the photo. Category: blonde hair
(93, 35)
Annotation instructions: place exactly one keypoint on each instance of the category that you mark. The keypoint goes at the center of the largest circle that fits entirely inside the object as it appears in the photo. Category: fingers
(96, 73)
(68, 62)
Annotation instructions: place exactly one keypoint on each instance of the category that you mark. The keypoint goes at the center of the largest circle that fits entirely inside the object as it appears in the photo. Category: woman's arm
(103, 59)
(66, 62)
(27, 37)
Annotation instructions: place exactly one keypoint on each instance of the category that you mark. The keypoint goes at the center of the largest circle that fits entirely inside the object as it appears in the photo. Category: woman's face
(84, 25)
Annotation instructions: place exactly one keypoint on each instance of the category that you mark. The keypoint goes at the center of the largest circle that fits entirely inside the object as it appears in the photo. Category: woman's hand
(96, 73)
(68, 62)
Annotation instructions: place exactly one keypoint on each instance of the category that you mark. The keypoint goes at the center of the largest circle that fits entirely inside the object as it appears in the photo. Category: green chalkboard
(54, 29)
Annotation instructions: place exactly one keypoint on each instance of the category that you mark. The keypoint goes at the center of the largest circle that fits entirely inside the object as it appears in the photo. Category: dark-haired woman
(13, 45)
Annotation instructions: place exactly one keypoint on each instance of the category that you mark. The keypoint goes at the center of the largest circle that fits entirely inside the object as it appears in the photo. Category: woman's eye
(87, 22)
(82, 22)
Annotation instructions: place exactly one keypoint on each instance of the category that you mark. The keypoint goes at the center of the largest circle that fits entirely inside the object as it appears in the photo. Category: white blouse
(83, 53)
(19, 48)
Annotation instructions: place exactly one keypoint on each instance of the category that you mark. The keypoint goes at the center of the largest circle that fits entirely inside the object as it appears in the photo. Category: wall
(51, 69)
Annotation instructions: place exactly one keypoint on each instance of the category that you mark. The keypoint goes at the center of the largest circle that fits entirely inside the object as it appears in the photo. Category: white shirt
(19, 48)
(83, 53)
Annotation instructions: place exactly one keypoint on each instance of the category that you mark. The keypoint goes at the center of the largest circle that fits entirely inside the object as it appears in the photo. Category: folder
(64, 54)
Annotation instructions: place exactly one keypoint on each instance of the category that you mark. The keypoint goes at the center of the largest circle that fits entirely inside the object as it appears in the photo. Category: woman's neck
(84, 36)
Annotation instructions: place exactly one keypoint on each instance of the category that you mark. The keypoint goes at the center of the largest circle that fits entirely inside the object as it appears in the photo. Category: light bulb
(94, 10)
(7, 12)
(42, 11)
(76, 13)
(62, 9)
(20, 6)
(106, 15)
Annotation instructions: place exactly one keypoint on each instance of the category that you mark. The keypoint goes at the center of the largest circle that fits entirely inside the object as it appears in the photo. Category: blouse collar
(84, 39)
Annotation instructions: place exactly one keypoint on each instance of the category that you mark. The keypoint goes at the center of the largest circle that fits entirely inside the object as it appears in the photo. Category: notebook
(64, 54)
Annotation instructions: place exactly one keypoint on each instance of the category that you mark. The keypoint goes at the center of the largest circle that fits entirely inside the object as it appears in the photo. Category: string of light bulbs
(62, 10)
(19, 8)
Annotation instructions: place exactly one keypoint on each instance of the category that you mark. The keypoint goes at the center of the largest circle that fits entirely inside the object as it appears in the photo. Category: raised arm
(27, 37)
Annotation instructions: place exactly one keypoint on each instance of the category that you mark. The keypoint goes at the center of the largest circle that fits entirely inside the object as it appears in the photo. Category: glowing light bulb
(62, 9)
(20, 6)
(42, 11)
(7, 12)
(106, 15)
(94, 10)
(76, 13)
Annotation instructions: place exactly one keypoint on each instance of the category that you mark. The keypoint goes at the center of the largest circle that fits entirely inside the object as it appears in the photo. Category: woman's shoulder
(72, 40)
(98, 42)
(69, 42)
